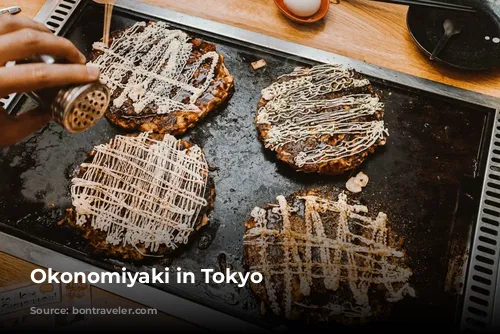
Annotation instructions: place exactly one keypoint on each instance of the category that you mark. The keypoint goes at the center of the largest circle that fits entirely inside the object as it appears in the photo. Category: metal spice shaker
(75, 107)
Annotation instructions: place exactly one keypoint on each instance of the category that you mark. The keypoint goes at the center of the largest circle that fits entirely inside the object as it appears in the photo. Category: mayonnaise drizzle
(359, 259)
(151, 81)
(297, 109)
(142, 191)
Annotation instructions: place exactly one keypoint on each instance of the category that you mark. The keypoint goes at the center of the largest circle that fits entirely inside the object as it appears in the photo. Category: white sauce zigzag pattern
(142, 191)
(297, 110)
(368, 255)
(151, 81)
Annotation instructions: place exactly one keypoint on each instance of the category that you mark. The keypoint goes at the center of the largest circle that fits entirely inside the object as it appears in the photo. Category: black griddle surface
(426, 179)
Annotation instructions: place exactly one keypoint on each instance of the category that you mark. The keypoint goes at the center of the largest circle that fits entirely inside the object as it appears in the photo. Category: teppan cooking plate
(427, 179)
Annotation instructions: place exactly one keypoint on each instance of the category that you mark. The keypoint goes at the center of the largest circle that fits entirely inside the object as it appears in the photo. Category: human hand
(22, 38)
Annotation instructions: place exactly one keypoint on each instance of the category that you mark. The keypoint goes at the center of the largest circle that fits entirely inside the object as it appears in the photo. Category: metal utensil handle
(40, 59)
(442, 42)
(10, 10)
(43, 59)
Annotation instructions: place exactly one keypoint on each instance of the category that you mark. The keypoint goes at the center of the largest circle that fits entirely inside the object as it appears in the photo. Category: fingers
(26, 43)
(10, 23)
(14, 129)
(32, 77)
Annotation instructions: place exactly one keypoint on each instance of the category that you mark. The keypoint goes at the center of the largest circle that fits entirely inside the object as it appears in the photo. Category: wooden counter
(368, 31)
(372, 32)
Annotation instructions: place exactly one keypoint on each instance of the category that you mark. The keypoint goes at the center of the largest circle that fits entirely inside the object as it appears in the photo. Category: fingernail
(93, 71)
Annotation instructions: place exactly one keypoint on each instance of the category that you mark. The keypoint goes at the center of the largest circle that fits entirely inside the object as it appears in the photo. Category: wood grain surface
(372, 32)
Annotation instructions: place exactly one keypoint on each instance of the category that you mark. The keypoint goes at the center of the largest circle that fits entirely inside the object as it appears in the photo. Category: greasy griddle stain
(177, 122)
(320, 305)
(97, 238)
(289, 152)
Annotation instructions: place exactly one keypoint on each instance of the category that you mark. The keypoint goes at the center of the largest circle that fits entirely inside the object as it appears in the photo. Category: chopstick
(108, 9)
(106, 24)
(433, 4)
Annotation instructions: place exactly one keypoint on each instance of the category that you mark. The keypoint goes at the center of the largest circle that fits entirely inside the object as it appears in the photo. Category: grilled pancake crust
(297, 130)
(97, 238)
(177, 122)
(324, 259)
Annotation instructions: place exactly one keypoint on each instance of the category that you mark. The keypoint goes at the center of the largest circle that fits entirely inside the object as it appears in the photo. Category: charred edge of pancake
(287, 153)
(380, 308)
(97, 238)
(178, 122)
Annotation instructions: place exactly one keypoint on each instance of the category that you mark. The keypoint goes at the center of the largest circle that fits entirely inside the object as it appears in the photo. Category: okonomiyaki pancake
(325, 119)
(161, 80)
(141, 195)
(324, 258)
